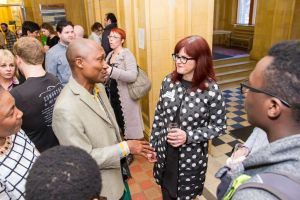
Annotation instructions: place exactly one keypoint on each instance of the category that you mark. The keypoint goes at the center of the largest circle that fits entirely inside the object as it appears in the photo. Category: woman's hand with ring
(176, 137)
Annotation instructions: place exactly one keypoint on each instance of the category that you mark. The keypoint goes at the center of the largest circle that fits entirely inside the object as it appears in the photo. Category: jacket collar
(87, 99)
(111, 26)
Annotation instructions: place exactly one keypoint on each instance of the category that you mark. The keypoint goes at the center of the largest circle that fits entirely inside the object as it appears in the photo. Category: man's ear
(274, 108)
(18, 60)
(79, 62)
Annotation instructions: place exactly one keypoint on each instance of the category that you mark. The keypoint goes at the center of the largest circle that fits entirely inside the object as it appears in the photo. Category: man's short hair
(29, 26)
(4, 24)
(63, 172)
(62, 24)
(282, 76)
(112, 17)
(30, 50)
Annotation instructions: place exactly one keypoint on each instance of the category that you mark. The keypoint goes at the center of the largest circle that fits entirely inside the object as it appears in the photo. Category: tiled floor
(236, 118)
(143, 186)
(236, 115)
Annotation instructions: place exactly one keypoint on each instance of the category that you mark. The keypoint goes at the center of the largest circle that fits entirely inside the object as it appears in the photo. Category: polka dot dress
(202, 117)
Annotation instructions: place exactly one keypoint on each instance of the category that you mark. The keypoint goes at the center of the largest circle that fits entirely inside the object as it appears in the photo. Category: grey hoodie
(281, 156)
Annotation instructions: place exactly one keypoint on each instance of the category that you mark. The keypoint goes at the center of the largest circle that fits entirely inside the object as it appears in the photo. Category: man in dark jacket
(272, 103)
(110, 22)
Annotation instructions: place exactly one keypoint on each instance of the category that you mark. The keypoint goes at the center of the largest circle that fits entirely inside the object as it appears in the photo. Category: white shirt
(95, 37)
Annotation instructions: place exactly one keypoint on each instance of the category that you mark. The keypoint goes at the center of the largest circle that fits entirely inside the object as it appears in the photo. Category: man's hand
(152, 157)
(140, 147)
(241, 151)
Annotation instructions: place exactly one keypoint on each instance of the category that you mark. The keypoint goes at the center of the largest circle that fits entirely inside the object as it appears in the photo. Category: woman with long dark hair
(190, 111)
(52, 38)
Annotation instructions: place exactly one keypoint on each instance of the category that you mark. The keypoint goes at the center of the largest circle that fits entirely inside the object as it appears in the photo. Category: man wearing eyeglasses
(272, 103)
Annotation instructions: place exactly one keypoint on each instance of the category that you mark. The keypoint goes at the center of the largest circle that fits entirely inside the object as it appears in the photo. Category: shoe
(129, 159)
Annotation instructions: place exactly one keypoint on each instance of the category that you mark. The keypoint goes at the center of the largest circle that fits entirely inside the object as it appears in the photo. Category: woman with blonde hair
(8, 69)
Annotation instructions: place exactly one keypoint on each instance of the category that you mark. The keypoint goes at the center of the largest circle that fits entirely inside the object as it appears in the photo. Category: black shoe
(129, 159)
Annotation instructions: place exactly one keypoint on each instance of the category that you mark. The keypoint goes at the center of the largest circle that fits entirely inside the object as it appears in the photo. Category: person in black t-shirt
(37, 95)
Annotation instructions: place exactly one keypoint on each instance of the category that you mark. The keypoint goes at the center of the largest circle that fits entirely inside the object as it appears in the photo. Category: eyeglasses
(113, 37)
(246, 88)
(182, 59)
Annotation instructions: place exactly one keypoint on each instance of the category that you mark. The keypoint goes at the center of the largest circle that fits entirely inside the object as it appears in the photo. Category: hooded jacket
(280, 156)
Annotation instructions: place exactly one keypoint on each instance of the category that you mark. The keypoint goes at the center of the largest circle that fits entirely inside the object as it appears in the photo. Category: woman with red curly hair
(190, 98)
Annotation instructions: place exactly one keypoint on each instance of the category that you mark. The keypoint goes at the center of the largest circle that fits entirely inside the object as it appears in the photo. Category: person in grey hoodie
(272, 104)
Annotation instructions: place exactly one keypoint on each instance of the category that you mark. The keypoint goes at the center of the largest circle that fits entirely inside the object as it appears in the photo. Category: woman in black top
(52, 38)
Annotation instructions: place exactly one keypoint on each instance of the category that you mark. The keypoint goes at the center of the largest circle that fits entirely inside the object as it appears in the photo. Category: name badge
(170, 94)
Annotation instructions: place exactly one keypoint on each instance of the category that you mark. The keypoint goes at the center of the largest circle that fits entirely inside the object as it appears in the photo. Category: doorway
(12, 15)
(233, 28)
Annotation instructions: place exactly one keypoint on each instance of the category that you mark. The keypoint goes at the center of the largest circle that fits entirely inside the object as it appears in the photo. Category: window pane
(243, 11)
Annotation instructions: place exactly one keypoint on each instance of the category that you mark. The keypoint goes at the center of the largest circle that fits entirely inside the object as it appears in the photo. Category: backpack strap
(282, 186)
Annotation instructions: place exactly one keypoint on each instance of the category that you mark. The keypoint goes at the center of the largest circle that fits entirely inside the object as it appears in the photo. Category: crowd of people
(69, 128)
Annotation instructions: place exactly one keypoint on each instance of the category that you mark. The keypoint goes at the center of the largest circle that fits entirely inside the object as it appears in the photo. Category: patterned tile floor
(236, 115)
(143, 186)
(236, 118)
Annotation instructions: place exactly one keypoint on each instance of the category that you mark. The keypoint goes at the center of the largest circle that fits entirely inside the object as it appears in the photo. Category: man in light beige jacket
(84, 118)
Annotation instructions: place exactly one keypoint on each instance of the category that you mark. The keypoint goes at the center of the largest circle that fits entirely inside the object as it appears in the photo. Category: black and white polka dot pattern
(202, 117)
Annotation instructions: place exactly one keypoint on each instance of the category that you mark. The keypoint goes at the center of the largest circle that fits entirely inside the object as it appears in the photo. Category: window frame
(252, 13)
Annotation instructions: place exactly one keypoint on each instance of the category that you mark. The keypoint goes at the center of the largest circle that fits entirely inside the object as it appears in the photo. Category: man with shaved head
(79, 31)
(84, 118)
